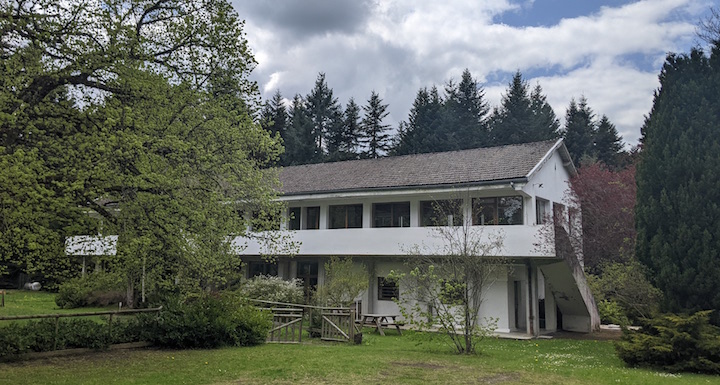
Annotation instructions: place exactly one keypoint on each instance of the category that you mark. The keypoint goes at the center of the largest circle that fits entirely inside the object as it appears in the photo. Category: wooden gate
(338, 325)
(287, 326)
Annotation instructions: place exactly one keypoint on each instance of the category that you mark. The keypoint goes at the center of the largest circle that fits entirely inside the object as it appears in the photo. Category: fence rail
(57, 317)
(336, 323)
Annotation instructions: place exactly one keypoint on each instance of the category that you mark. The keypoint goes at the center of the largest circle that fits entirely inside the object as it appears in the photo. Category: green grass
(25, 302)
(407, 359)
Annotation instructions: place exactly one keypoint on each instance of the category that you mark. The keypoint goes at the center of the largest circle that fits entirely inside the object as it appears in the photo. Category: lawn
(412, 358)
(25, 302)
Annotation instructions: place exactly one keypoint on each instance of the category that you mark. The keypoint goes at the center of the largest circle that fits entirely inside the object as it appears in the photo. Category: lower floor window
(262, 268)
(388, 290)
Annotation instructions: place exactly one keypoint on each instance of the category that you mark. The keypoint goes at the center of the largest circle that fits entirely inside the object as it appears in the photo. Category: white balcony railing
(518, 241)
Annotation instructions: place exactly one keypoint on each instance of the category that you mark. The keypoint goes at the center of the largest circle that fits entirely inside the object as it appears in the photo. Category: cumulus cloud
(612, 55)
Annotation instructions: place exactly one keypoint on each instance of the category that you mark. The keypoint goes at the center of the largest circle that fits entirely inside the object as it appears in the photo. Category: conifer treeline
(315, 128)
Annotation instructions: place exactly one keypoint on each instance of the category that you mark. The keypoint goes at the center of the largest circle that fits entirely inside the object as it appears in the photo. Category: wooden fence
(336, 323)
(72, 315)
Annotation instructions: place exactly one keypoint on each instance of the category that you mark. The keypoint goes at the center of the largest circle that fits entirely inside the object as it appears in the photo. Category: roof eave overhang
(560, 147)
(514, 183)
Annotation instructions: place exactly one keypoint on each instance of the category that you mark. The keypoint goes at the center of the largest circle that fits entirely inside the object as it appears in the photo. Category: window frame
(497, 208)
(394, 206)
(308, 218)
(445, 205)
(388, 290)
(332, 209)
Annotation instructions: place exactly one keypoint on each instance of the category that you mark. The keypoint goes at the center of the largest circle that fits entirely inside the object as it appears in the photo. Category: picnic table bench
(380, 322)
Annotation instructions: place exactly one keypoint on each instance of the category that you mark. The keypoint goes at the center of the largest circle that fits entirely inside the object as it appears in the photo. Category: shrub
(628, 294)
(274, 289)
(207, 321)
(612, 313)
(96, 289)
(39, 336)
(676, 343)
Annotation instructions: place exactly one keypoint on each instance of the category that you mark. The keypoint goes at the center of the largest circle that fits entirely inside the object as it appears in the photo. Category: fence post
(2, 302)
(57, 323)
(110, 329)
(351, 324)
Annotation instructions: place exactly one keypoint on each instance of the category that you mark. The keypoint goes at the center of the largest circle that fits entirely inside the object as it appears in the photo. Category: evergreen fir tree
(465, 112)
(300, 144)
(375, 134)
(325, 114)
(421, 134)
(608, 144)
(546, 125)
(678, 226)
(523, 116)
(509, 122)
(274, 116)
(342, 143)
(579, 131)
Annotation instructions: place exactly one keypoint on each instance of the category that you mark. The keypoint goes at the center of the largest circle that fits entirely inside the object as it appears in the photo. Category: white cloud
(395, 47)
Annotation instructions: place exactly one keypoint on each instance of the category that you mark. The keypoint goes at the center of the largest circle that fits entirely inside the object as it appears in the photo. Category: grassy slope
(408, 359)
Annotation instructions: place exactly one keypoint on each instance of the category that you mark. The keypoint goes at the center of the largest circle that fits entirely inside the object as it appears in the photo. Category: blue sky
(609, 51)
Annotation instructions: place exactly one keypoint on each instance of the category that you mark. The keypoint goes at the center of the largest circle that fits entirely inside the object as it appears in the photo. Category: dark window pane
(345, 216)
(382, 215)
(510, 210)
(354, 214)
(387, 290)
(391, 214)
(313, 218)
(294, 218)
(485, 211)
(441, 213)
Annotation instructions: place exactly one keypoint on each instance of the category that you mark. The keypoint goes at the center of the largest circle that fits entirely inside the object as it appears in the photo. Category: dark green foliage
(422, 132)
(300, 146)
(207, 321)
(608, 143)
(374, 134)
(96, 289)
(39, 336)
(325, 115)
(678, 231)
(464, 115)
(676, 343)
(579, 131)
(622, 287)
(523, 116)
(342, 142)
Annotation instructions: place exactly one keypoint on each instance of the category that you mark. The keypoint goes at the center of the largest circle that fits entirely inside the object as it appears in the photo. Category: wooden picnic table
(380, 321)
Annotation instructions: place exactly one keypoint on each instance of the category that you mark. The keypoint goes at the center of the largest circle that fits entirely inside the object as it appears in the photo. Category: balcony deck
(518, 241)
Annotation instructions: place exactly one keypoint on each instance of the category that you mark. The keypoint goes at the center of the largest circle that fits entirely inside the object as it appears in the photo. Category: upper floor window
(542, 214)
(391, 214)
(346, 216)
(312, 218)
(441, 213)
(498, 211)
(294, 218)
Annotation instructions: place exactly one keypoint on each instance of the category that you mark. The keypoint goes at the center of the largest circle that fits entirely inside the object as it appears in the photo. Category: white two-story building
(375, 210)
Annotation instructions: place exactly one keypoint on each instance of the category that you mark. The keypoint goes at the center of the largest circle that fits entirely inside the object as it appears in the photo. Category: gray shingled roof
(443, 168)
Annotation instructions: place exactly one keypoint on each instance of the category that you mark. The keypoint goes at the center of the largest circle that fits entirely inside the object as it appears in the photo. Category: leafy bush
(96, 289)
(344, 281)
(612, 313)
(626, 291)
(207, 321)
(276, 289)
(39, 336)
(677, 343)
